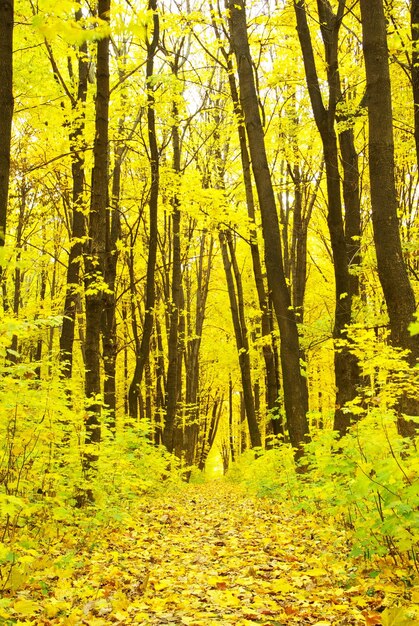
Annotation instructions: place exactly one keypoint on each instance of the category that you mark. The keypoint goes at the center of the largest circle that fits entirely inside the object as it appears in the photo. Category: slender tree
(150, 295)
(294, 383)
(346, 366)
(94, 278)
(414, 26)
(235, 293)
(174, 350)
(193, 345)
(398, 293)
(78, 222)
(272, 381)
(271, 370)
(6, 107)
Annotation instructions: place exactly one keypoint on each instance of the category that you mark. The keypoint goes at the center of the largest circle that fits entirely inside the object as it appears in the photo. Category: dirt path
(212, 555)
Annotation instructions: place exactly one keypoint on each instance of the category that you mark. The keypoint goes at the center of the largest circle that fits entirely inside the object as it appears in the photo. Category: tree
(272, 381)
(344, 244)
(150, 295)
(6, 107)
(95, 251)
(294, 383)
(174, 381)
(235, 292)
(398, 293)
(414, 27)
(77, 218)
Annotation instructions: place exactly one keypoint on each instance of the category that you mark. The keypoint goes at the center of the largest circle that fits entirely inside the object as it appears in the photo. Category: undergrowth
(366, 482)
(41, 446)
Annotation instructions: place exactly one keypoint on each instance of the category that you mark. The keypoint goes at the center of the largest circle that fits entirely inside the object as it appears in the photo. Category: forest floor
(212, 554)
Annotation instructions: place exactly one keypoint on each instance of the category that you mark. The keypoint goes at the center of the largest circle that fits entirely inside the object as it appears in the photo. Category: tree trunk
(150, 297)
(294, 384)
(346, 365)
(6, 107)
(78, 225)
(398, 293)
(212, 431)
(272, 387)
(160, 380)
(235, 293)
(231, 421)
(194, 334)
(109, 338)
(174, 355)
(95, 254)
(414, 24)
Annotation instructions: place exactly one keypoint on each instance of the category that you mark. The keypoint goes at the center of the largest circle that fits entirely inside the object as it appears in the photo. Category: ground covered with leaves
(207, 554)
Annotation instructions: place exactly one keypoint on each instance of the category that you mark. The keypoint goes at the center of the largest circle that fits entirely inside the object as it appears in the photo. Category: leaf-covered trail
(211, 555)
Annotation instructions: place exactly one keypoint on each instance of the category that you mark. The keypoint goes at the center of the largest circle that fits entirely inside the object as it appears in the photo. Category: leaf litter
(211, 554)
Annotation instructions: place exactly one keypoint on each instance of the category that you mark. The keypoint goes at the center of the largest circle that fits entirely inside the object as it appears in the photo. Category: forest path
(218, 556)
(210, 554)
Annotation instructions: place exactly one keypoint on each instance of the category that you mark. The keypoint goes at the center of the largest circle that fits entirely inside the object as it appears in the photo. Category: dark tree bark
(398, 293)
(95, 253)
(346, 365)
(6, 107)
(211, 431)
(174, 352)
(272, 386)
(294, 384)
(235, 293)
(192, 349)
(231, 421)
(150, 296)
(13, 354)
(414, 23)
(78, 225)
(302, 211)
(352, 202)
(109, 339)
(160, 380)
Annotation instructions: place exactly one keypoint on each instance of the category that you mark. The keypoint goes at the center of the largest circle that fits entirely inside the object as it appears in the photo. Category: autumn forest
(209, 340)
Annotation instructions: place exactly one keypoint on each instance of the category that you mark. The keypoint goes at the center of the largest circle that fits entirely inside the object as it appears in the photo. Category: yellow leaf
(316, 571)
(415, 595)
(281, 586)
(120, 602)
(26, 607)
(399, 616)
(120, 615)
(55, 607)
(162, 584)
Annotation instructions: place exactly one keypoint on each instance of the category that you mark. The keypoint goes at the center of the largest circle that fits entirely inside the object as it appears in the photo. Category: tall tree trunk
(160, 381)
(13, 353)
(272, 387)
(303, 208)
(231, 420)
(150, 296)
(398, 293)
(294, 384)
(235, 293)
(192, 350)
(414, 25)
(109, 339)
(40, 341)
(95, 254)
(78, 222)
(209, 437)
(6, 108)
(346, 365)
(174, 354)
(352, 201)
